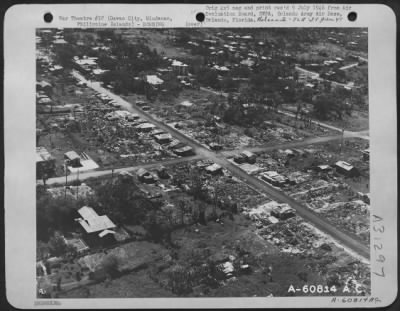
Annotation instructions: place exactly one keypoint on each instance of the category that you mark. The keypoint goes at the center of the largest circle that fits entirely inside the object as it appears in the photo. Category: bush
(303, 276)
(75, 182)
(110, 264)
(57, 245)
(180, 281)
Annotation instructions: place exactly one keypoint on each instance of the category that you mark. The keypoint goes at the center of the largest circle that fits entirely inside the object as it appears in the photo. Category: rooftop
(213, 167)
(248, 154)
(72, 155)
(163, 136)
(183, 149)
(344, 165)
(92, 222)
(142, 172)
(146, 125)
(178, 63)
(42, 154)
(154, 80)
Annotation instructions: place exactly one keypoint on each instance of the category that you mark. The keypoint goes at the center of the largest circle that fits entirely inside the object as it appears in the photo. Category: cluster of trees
(237, 114)
(54, 214)
(333, 105)
(123, 82)
(249, 108)
(207, 77)
(123, 202)
(64, 54)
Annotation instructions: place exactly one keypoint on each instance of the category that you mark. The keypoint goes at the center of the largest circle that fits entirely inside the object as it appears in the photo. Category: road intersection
(348, 240)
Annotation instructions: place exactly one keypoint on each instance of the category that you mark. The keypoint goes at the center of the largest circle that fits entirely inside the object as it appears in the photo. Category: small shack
(184, 151)
(214, 169)
(163, 138)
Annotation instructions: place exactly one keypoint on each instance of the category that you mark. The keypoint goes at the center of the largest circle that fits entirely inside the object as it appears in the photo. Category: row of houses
(159, 136)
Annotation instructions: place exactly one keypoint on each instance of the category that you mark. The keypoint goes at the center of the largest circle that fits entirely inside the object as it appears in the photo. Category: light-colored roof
(346, 166)
(43, 83)
(248, 154)
(72, 155)
(153, 79)
(178, 63)
(92, 222)
(146, 125)
(59, 41)
(105, 232)
(142, 172)
(44, 100)
(247, 62)
(91, 61)
(183, 149)
(186, 103)
(227, 267)
(250, 168)
(273, 219)
(42, 154)
(271, 174)
(163, 136)
(213, 167)
(99, 71)
(77, 243)
(125, 173)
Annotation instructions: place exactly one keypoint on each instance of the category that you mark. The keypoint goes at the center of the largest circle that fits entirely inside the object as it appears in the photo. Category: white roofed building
(91, 222)
(154, 80)
(179, 68)
(214, 169)
(346, 169)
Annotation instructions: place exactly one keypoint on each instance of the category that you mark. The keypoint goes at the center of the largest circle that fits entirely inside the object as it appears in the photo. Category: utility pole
(77, 185)
(66, 179)
(341, 141)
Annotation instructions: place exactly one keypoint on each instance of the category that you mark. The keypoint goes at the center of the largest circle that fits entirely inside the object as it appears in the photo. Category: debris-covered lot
(322, 177)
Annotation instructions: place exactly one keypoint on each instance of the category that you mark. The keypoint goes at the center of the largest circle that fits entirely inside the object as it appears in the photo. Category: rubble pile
(72, 192)
(292, 236)
(353, 216)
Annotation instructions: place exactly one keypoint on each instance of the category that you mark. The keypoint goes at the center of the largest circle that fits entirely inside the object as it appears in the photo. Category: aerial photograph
(202, 162)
